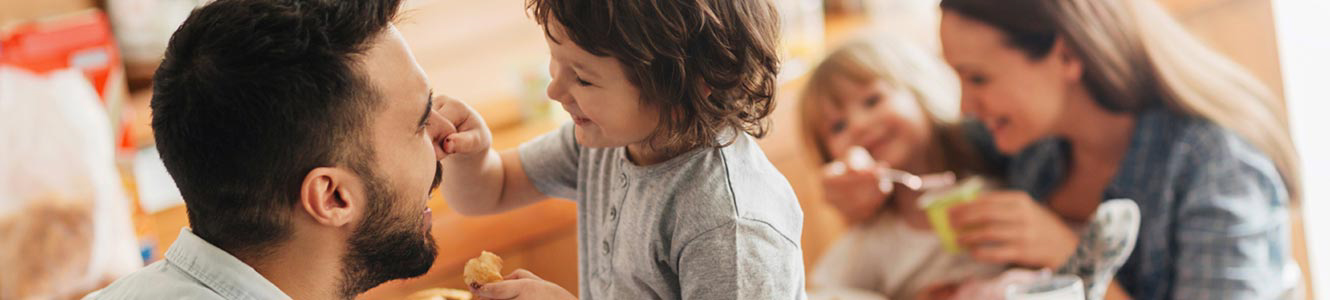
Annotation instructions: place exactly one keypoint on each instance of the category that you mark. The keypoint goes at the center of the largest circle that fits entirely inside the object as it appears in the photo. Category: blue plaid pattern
(1214, 210)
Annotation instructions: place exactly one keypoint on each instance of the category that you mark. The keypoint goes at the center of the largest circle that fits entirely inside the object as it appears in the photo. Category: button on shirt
(712, 223)
(193, 269)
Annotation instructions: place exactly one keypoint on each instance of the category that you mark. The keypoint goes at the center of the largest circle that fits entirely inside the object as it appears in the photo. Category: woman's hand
(1008, 227)
(522, 285)
(853, 189)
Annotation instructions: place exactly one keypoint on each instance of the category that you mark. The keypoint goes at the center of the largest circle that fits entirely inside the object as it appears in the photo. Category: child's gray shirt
(712, 223)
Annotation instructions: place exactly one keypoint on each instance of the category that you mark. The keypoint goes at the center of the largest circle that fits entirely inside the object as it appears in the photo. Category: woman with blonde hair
(1088, 100)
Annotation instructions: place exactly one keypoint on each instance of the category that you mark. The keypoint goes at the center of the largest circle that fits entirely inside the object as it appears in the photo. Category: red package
(80, 41)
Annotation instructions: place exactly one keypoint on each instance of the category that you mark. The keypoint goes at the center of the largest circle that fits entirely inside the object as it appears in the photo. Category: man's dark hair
(251, 96)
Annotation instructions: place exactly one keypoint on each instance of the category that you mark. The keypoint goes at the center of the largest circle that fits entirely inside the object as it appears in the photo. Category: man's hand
(522, 285)
(472, 137)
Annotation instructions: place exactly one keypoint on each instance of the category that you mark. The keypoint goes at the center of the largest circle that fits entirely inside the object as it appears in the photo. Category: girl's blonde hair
(903, 66)
(1136, 57)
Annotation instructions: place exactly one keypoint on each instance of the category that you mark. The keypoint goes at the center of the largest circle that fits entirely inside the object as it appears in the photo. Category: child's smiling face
(888, 122)
(606, 107)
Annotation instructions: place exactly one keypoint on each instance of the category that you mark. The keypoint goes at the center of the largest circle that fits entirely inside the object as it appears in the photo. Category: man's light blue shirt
(193, 269)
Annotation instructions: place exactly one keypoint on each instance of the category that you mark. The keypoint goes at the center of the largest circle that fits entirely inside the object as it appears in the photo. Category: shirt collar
(1149, 148)
(218, 270)
(1043, 166)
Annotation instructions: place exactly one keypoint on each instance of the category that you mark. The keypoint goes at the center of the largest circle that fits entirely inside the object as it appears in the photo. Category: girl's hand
(1009, 227)
(852, 187)
(522, 285)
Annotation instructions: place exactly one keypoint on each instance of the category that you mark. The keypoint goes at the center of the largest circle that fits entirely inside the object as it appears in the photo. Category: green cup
(936, 203)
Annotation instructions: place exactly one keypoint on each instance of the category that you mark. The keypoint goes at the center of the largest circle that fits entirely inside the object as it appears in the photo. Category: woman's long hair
(1136, 56)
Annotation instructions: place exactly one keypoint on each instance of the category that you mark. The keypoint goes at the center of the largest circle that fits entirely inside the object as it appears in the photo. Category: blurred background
(85, 199)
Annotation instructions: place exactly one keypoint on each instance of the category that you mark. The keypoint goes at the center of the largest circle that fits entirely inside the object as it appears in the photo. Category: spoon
(859, 158)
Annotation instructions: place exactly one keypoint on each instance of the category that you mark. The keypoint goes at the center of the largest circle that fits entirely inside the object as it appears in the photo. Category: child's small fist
(472, 135)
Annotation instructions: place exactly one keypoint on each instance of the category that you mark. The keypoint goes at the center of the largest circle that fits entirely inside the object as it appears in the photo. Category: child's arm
(478, 180)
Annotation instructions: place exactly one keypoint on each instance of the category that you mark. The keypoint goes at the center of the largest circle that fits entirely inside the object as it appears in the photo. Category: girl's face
(886, 121)
(1019, 99)
(605, 106)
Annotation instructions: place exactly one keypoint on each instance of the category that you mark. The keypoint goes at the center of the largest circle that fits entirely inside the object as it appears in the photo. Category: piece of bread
(483, 269)
(440, 294)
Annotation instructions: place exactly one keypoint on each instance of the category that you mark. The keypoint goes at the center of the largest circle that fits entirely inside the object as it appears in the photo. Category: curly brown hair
(708, 65)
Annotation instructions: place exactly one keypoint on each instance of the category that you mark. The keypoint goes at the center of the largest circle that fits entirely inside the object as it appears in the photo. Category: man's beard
(385, 246)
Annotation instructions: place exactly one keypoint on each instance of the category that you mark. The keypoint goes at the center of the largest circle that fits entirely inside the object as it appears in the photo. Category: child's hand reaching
(852, 186)
(472, 136)
(522, 285)
(476, 179)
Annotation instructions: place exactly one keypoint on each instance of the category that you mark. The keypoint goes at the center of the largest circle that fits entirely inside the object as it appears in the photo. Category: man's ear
(331, 196)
